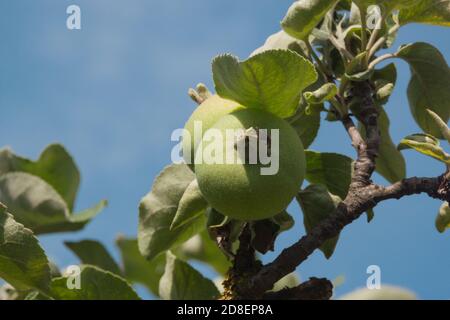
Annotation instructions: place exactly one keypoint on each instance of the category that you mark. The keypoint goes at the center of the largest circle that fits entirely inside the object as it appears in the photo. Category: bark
(363, 195)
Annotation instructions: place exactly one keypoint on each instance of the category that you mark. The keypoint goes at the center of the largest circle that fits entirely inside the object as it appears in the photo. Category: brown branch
(363, 195)
(367, 150)
(244, 266)
(348, 211)
(314, 289)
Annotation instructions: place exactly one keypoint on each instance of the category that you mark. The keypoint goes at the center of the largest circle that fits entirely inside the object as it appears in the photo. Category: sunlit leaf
(192, 205)
(445, 130)
(324, 93)
(272, 80)
(426, 144)
(23, 262)
(281, 40)
(95, 284)
(304, 15)
(435, 12)
(157, 211)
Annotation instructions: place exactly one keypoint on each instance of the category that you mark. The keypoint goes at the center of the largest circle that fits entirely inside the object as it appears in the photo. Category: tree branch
(348, 211)
(363, 195)
(313, 289)
(244, 266)
(367, 150)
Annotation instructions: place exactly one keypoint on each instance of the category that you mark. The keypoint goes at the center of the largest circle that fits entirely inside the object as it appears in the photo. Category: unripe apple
(241, 190)
(207, 113)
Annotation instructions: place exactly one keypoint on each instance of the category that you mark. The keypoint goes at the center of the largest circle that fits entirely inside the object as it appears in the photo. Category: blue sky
(114, 91)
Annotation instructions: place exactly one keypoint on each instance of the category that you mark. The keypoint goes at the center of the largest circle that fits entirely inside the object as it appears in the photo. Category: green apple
(240, 190)
(208, 113)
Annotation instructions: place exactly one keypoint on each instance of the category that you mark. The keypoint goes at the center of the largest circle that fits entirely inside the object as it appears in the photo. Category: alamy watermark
(73, 275)
(373, 17)
(253, 146)
(374, 280)
(73, 21)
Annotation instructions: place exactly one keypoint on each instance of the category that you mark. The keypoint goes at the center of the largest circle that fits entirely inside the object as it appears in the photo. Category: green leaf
(443, 218)
(445, 130)
(39, 207)
(203, 249)
(306, 120)
(23, 262)
(386, 292)
(96, 284)
(304, 15)
(390, 162)
(324, 93)
(428, 87)
(157, 211)
(321, 34)
(388, 4)
(387, 29)
(317, 205)
(182, 282)
(137, 269)
(54, 269)
(307, 124)
(94, 253)
(272, 81)
(384, 80)
(331, 170)
(387, 74)
(357, 69)
(55, 166)
(370, 215)
(426, 144)
(281, 40)
(192, 205)
(79, 220)
(435, 12)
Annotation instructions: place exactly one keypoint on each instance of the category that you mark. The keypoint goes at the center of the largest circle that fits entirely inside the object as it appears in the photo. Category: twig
(381, 58)
(321, 67)
(363, 29)
(376, 31)
(363, 195)
(313, 289)
(381, 41)
(343, 51)
(348, 211)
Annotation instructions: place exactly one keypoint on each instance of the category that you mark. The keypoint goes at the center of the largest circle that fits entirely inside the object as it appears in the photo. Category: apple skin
(209, 112)
(239, 191)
